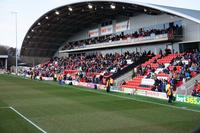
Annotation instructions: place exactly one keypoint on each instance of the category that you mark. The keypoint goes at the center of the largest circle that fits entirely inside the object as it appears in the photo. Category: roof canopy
(55, 27)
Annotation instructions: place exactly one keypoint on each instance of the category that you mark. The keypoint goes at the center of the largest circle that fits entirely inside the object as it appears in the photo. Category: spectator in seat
(161, 53)
(187, 75)
(198, 69)
(195, 88)
(166, 70)
(160, 87)
(167, 51)
(173, 83)
(156, 84)
(123, 82)
(164, 85)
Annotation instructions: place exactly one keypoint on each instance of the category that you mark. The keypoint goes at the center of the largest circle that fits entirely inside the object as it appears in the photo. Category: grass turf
(61, 109)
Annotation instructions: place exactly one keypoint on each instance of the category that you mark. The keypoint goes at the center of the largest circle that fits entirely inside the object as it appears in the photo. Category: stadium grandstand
(140, 46)
(105, 66)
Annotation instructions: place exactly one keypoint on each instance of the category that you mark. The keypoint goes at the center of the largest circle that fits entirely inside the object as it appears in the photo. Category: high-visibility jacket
(168, 89)
(111, 81)
(108, 83)
(198, 87)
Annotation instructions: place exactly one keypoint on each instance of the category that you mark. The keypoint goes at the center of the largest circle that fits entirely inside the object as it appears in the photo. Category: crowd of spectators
(142, 32)
(86, 68)
(94, 68)
(196, 89)
(180, 69)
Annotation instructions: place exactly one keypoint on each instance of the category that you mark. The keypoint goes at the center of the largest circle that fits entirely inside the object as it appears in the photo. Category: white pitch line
(28, 120)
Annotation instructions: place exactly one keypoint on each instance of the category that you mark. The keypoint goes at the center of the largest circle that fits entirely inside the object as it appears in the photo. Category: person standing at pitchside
(169, 91)
(109, 84)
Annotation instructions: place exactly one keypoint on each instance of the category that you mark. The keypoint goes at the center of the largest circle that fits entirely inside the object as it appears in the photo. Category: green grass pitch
(69, 109)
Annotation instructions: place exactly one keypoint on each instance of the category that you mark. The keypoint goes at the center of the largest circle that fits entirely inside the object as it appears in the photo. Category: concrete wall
(191, 31)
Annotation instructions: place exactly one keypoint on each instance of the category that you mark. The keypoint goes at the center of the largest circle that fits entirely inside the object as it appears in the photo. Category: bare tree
(3, 50)
(10, 51)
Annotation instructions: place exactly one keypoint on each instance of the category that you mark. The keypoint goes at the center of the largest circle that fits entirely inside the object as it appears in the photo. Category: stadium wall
(191, 29)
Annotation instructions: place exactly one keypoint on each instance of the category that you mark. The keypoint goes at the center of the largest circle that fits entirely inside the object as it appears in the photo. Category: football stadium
(105, 66)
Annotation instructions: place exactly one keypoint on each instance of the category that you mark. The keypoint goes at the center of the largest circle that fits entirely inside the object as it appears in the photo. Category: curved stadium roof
(50, 31)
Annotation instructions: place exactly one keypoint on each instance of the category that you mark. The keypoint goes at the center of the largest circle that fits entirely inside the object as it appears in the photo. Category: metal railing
(127, 73)
(187, 87)
(127, 42)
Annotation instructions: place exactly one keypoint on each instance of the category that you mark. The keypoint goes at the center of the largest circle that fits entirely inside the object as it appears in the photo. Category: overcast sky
(30, 10)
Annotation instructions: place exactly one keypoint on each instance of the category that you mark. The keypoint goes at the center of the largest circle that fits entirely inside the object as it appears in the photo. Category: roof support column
(6, 64)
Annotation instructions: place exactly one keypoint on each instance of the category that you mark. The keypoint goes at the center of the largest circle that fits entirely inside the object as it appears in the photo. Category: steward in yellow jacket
(169, 91)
